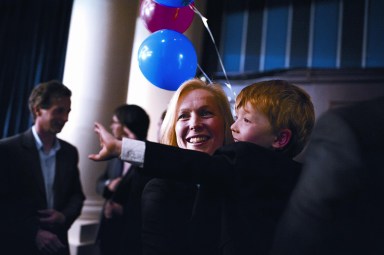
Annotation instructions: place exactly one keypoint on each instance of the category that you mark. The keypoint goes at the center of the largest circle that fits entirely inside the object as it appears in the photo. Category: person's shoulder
(66, 145)
(17, 138)
(365, 119)
(250, 151)
(252, 160)
(357, 115)
(68, 150)
(360, 109)
(243, 148)
(8, 140)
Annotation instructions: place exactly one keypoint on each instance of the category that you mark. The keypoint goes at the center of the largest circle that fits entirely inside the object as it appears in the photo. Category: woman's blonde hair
(167, 129)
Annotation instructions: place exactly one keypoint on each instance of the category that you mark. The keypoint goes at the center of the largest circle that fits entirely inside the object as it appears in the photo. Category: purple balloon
(174, 3)
(157, 16)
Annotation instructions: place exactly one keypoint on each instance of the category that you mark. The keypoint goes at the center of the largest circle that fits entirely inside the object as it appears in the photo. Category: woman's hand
(110, 146)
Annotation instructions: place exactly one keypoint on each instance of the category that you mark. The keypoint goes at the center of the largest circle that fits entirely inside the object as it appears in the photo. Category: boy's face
(252, 126)
(199, 126)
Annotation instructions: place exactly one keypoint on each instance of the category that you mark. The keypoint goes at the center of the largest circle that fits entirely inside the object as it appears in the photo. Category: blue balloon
(174, 3)
(167, 58)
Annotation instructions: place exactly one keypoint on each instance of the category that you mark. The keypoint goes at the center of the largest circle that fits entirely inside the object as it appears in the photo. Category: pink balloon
(157, 16)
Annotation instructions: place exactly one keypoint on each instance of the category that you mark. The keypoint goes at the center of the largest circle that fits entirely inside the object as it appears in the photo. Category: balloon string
(176, 13)
(205, 22)
(205, 75)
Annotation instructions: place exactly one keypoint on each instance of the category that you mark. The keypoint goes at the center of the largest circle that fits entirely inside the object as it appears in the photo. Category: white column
(97, 71)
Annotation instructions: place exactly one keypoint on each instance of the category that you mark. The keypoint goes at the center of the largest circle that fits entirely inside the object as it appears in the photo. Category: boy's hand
(110, 146)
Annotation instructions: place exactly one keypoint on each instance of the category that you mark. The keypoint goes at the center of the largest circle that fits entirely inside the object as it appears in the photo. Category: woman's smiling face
(199, 125)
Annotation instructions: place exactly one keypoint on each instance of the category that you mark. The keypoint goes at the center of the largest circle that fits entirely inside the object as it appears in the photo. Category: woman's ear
(282, 139)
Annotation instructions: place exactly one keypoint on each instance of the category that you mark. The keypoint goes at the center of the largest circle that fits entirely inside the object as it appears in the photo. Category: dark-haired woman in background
(121, 186)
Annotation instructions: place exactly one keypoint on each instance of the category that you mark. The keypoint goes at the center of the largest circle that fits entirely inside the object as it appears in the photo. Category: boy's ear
(282, 139)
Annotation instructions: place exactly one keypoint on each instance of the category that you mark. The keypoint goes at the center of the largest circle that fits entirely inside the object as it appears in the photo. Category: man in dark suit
(40, 189)
(338, 205)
